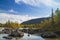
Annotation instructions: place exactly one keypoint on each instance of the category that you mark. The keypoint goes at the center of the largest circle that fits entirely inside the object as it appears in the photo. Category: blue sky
(27, 8)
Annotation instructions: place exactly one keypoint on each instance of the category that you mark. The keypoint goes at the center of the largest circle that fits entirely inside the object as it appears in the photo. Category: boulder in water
(16, 34)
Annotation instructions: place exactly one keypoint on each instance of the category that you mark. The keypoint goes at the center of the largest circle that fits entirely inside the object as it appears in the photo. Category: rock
(28, 35)
(16, 34)
(49, 35)
(57, 32)
(7, 30)
(7, 37)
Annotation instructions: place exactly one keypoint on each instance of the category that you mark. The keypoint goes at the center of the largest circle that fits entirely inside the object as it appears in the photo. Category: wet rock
(49, 35)
(7, 37)
(16, 33)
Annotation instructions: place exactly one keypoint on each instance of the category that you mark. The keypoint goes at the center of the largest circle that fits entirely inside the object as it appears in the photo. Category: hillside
(35, 21)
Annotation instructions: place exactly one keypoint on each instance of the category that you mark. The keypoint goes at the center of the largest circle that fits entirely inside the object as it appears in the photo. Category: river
(25, 37)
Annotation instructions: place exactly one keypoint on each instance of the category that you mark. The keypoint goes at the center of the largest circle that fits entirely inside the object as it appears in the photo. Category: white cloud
(11, 10)
(4, 17)
(50, 3)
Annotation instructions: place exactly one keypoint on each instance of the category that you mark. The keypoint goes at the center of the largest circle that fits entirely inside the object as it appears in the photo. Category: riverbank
(43, 34)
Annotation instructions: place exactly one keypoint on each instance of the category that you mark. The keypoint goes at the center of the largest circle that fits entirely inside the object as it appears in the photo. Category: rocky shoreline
(34, 32)
(12, 33)
(44, 34)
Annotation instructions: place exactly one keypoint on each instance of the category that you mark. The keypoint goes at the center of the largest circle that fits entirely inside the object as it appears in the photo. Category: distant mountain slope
(34, 21)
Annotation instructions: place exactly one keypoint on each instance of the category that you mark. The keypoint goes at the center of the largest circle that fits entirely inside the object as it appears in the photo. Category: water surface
(25, 37)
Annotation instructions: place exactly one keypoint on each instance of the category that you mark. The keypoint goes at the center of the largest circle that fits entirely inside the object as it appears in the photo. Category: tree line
(46, 24)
